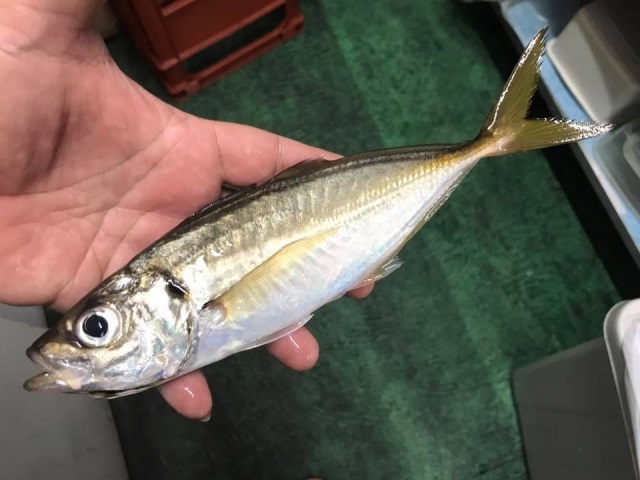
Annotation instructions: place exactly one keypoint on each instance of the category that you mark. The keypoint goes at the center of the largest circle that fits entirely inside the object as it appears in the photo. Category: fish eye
(98, 327)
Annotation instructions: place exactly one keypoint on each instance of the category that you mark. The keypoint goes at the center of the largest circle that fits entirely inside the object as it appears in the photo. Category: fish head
(130, 333)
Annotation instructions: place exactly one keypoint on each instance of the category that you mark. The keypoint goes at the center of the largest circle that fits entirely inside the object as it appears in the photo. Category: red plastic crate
(175, 36)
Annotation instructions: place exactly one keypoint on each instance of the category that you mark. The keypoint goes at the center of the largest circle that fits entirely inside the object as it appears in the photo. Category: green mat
(412, 383)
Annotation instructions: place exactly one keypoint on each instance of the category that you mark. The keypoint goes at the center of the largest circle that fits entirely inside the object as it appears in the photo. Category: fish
(255, 265)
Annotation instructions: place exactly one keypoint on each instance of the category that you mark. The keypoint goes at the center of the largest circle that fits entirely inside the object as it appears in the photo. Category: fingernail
(205, 419)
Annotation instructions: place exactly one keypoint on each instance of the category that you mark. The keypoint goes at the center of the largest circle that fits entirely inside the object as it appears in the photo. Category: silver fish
(255, 265)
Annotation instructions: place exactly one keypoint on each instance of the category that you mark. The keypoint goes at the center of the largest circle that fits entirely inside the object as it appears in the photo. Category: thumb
(53, 24)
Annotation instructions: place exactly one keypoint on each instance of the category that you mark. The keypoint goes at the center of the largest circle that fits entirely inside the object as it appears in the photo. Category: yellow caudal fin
(507, 130)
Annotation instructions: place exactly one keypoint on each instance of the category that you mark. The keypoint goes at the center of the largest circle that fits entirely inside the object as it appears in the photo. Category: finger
(250, 155)
(361, 292)
(189, 395)
(298, 351)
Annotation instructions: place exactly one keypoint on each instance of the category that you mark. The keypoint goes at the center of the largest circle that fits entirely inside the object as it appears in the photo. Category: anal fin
(386, 269)
(272, 337)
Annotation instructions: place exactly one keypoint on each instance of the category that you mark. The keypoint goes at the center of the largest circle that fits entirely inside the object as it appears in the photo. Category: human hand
(95, 168)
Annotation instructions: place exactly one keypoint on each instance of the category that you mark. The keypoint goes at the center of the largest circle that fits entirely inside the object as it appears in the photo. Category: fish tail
(507, 130)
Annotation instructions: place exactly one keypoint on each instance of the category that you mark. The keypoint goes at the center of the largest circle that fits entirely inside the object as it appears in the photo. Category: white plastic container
(598, 57)
(622, 336)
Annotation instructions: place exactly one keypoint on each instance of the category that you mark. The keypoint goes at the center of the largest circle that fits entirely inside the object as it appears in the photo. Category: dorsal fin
(216, 205)
(305, 167)
(231, 188)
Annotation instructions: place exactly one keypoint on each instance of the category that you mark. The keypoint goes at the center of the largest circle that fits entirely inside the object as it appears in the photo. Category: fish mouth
(51, 379)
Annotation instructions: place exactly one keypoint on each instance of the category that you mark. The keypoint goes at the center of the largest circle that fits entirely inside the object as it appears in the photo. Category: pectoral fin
(254, 290)
(260, 307)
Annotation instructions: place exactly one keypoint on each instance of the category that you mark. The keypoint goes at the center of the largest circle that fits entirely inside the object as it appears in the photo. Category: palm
(95, 169)
(67, 204)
